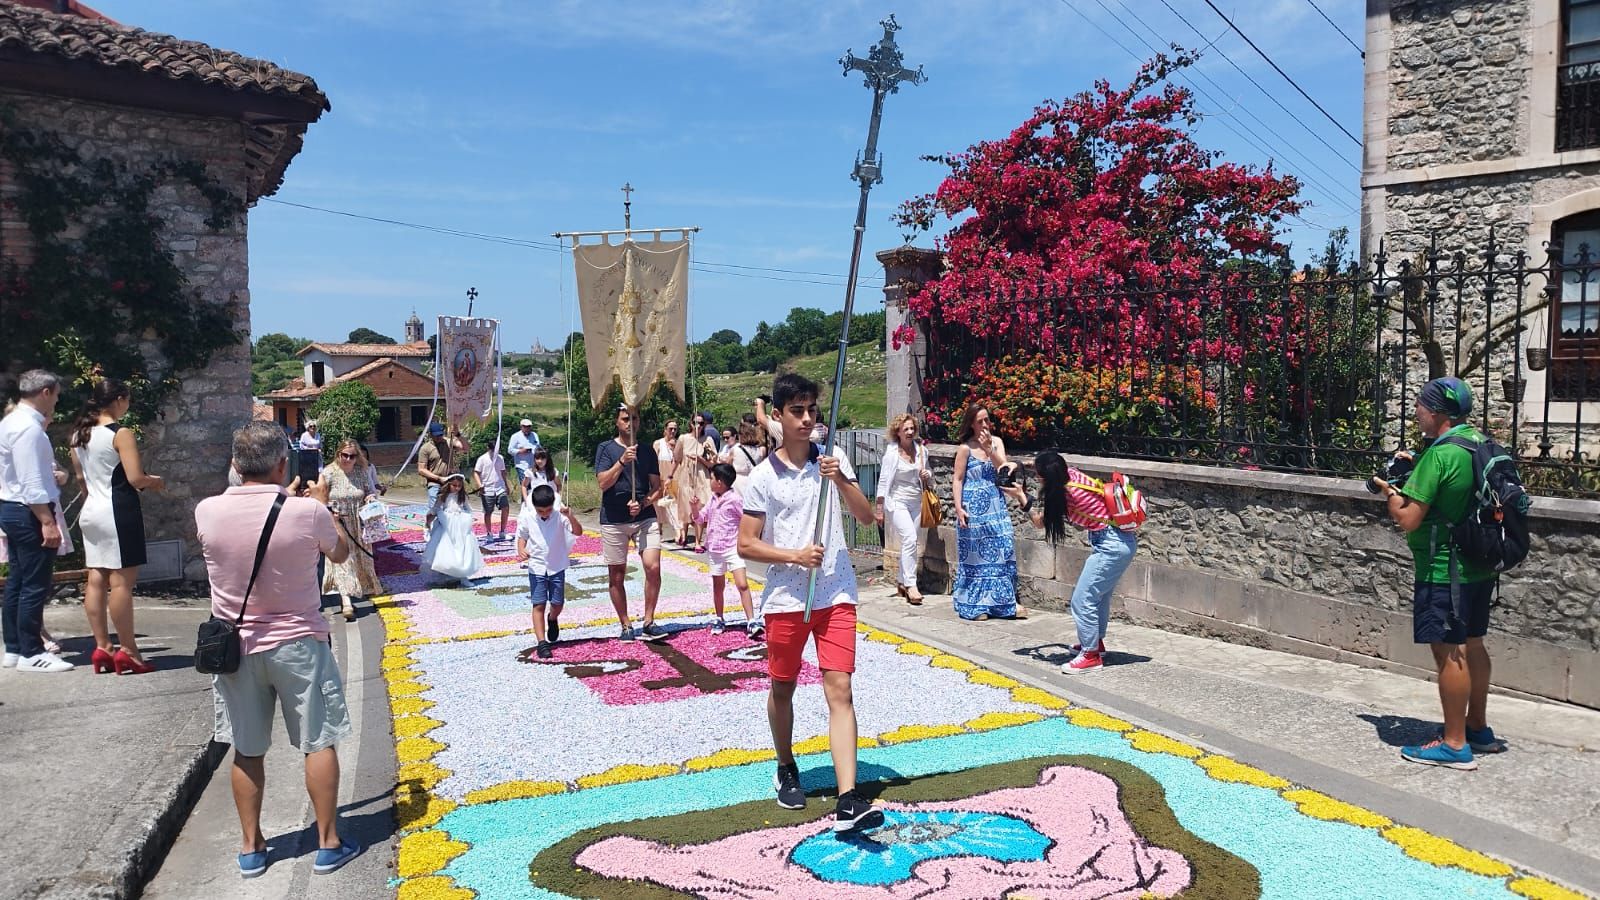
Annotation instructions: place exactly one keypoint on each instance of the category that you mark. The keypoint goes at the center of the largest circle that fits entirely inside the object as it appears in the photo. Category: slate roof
(87, 36)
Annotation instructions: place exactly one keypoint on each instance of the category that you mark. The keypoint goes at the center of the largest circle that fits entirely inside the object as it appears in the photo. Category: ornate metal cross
(884, 69)
(472, 294)
(627, 206)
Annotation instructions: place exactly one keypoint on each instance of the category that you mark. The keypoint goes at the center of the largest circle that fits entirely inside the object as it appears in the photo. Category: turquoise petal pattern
(887, 855)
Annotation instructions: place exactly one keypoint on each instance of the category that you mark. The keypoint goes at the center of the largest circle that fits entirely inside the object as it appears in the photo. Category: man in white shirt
(521, 447)
(489, 480)
(778, 528)
(29, 498)
(544, 544)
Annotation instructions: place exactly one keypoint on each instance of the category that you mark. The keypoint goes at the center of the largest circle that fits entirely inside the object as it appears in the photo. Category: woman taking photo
(667, 507)
(750, 448)
(986, 560)
(902, 477)
(349, 490)
(106, 456)
(1068, 495)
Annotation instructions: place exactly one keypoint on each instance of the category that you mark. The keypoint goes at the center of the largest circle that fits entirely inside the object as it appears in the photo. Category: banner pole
(884, 70)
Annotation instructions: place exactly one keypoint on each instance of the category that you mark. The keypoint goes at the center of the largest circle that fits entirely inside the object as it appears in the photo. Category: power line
(1337, 28)
(1332, 195)
(1264, 92)
(697, 265)
(1280, 71)
(1337, 194)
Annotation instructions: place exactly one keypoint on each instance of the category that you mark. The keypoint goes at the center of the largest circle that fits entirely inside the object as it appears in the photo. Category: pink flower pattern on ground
(692, 664)
(1095, 854)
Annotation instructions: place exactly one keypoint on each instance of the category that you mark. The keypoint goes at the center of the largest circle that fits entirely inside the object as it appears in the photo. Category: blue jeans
(1111, 551)
(27, 581)
(551, 589)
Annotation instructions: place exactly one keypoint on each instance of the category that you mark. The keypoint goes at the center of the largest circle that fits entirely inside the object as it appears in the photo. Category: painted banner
(467, 366)
(634, 300)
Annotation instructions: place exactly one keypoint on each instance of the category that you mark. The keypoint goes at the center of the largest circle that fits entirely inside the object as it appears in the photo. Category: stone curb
(135, 842)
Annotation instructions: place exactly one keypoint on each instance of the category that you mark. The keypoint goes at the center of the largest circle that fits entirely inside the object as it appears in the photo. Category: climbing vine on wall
(102, 295)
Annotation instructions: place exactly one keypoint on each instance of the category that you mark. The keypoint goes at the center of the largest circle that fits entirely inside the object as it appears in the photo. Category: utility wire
(698, 265)
(1280, 71)
(1337, 28)
(1264, 92)
(1331, 195)
(1337, 195)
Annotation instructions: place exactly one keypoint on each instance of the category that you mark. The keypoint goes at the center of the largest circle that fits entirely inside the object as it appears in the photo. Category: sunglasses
(349, 456)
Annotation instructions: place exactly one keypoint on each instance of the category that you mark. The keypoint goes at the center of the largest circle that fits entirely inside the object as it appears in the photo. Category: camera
(1395, 472)
(1006, 475)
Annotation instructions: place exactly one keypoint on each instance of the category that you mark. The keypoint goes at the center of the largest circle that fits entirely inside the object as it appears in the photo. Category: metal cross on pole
(472, 294)
(884, 69)
(627, 206)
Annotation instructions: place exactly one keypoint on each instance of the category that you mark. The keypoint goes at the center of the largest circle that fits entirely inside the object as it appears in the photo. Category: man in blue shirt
(521, 447)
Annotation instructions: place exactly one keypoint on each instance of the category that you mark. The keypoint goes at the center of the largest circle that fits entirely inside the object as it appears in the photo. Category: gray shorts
(303, 678)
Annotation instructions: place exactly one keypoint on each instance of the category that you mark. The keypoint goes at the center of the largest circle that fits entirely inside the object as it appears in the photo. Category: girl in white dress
(452, 545)
(106, 457)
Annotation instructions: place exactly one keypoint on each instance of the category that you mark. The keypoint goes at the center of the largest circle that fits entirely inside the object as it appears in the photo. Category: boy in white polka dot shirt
(780, 515)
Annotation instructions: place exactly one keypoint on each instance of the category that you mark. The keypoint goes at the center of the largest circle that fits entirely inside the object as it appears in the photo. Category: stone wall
(1458, 75)
(1313, 565)
(190, 445)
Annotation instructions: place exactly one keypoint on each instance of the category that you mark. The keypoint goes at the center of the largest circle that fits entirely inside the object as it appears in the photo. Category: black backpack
(1494, 533)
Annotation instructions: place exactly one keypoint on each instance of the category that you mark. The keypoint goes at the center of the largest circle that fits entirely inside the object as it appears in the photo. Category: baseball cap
(526, 422)
(436, 429)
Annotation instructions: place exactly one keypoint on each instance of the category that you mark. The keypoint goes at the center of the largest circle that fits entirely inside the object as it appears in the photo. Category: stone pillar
(904, 268)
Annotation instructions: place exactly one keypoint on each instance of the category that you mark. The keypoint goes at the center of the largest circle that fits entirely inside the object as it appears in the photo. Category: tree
(368, 336)
(346, 410)
(725, 336)
(1105, 191)
(275, 347)
(525, 367)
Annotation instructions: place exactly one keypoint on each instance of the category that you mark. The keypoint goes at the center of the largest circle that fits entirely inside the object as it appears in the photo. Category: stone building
(109, 91)
(1485, 114)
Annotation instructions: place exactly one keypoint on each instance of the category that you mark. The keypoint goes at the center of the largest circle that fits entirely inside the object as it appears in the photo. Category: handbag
(374, 517)
(932, 509)
(217, 648)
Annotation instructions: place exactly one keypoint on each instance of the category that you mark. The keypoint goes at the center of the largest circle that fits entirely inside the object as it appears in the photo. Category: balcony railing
(1578, 106)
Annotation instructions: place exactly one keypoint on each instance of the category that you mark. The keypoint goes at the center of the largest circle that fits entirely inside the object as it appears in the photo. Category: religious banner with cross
(467, 366)
(634, 301)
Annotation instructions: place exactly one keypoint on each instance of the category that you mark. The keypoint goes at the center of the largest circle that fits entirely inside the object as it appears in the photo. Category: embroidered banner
(467, 366)
(634, 300)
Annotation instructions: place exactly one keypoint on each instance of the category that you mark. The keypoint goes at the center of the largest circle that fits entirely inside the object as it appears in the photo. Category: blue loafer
(330, 861)
(252, 864)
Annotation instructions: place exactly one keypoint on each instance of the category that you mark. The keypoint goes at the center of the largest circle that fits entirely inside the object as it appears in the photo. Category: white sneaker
(44, 662)
(10, 661)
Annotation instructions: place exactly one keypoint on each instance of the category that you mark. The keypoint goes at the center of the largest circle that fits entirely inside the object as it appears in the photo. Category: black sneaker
(855, 813)
(543, 650)
(553, 629)
(790, 794)
(652, 632)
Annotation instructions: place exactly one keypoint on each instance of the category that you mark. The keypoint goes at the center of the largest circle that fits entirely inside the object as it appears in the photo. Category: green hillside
(862, 405)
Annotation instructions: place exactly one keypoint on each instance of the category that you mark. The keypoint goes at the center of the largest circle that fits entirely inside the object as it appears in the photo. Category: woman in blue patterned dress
(986, 559)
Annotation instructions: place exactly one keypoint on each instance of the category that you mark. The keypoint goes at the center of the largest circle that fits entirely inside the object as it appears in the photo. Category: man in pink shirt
(287, 656)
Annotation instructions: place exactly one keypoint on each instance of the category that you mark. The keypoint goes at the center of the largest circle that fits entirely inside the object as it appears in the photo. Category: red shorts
(834, 629)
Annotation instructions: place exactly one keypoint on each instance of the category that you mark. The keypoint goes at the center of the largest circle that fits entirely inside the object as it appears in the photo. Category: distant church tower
(414, 329)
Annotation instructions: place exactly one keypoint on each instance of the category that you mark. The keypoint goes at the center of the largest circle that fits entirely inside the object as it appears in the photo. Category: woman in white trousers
(902, 476)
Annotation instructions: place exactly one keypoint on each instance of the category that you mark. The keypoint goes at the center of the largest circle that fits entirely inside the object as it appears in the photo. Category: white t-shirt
(549, 541)
(491, 470)
(787, 500)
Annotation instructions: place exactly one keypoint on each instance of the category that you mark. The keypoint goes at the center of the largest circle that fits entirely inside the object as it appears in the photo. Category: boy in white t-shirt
(780, 515)
(489, 481)
(544, 543)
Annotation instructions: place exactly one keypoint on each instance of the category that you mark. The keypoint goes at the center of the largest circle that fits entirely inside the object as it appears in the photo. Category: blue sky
(525, 118)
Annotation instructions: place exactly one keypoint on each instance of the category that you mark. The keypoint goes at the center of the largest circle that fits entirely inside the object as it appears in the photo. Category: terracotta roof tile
(420, 348)
(78, 37)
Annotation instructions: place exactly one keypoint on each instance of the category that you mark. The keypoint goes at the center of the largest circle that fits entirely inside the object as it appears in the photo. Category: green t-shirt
(1443, 480)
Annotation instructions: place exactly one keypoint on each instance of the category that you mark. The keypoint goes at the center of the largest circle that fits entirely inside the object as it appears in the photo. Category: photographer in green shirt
(1451, 597)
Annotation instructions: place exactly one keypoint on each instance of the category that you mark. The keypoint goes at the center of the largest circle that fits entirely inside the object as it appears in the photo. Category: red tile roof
(87, 35)
(398, 381)
(406, 351)
(261, 412)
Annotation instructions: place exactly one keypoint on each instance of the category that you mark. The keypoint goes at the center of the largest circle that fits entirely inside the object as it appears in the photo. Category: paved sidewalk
(98, 769)
(1333, 727)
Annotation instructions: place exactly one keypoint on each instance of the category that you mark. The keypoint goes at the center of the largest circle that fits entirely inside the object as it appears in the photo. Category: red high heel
(102, 661)
(125, 665)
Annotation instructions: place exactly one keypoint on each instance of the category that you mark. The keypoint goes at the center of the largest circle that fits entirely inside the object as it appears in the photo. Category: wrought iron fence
(864, 449)
(1313, 371)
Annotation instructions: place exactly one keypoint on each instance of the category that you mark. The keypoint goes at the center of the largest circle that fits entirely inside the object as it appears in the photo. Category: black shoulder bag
(217, 648)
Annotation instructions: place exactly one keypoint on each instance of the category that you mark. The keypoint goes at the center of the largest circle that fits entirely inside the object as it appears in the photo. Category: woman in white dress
(901, 478)
(106, 457)
(452, 549)
(348, 491)
(667, 507)
(695, 456)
